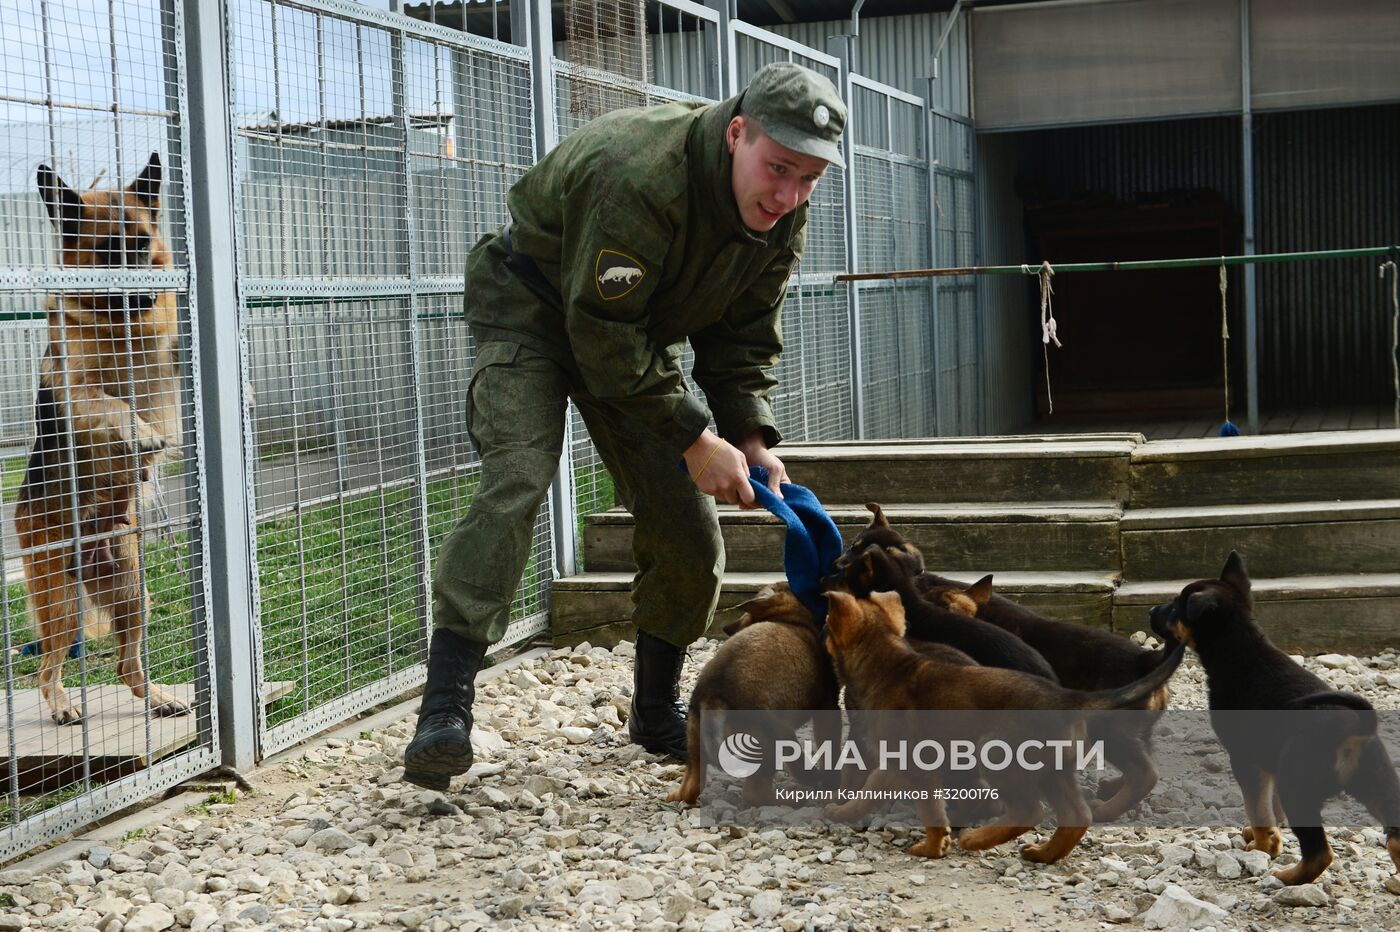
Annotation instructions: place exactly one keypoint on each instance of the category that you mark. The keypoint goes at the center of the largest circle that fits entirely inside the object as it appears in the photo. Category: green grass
(10, 478)
(213, 799)
(339, 591)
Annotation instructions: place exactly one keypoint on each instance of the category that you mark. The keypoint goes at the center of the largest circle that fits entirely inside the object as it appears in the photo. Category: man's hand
(719, 469)
(756, 453)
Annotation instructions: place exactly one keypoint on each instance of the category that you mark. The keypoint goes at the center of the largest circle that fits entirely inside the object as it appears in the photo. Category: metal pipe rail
(1137, 265)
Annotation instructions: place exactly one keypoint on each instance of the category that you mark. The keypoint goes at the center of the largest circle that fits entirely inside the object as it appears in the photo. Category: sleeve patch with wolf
(617, 274)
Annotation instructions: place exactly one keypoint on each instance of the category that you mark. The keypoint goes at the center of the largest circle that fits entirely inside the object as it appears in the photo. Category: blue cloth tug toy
(813, 542)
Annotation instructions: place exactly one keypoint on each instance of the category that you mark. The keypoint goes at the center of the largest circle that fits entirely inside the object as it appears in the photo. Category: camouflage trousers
(517, 406)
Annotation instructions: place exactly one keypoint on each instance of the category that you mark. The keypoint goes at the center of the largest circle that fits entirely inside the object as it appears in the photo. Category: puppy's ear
(980, 591)
(1236, 576)
(146, 187)
(62, 202)
(840, 607)
(892, 608)
(1198, 603)
(879, 519)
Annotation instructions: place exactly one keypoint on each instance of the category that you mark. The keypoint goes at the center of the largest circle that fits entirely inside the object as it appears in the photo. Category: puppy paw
(681, 796)
(1041, 854)
(976, 839)
(1304, 871)
(935, 845)
(845, 812)
(1267, 840)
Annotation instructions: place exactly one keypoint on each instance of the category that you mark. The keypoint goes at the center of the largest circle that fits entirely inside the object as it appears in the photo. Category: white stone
(576, 735)
(766, 905)
(1255, 863)
(636, 887)
(1307, 894)
(1227, 867)
(331, 839)
(1172, 855)
(1177, 909)
(152, 918)
(604, 893)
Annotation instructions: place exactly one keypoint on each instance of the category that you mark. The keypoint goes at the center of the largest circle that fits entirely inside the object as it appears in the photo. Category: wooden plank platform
(51, 756)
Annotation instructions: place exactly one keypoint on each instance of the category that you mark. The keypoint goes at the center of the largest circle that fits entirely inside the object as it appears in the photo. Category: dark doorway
(1142, 341)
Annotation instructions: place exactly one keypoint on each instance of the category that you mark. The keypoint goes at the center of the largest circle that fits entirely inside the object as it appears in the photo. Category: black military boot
(441, 747)
(658, 718)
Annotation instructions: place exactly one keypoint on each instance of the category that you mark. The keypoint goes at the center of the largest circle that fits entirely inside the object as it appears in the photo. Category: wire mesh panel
(373, 150)
(891, 217)
(813, 398)
(107, 695)
(955, 298)
(615, 54)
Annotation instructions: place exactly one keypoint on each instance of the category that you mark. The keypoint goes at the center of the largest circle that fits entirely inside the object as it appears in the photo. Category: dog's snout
(1157, 618)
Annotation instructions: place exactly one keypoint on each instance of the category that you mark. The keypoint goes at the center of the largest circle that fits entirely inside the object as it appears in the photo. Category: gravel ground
(561, 825)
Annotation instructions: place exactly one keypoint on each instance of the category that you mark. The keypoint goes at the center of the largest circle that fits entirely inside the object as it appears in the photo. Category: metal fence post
(229, 532)
(1251, 311)
(725, 66)
(932, 163)
(535, 17)
(840, 47)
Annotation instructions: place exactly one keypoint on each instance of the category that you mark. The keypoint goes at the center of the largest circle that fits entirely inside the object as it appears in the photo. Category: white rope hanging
(1225, 339)
(1047, 326)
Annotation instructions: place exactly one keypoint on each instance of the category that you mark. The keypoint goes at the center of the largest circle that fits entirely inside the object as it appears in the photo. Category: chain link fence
(368, 151)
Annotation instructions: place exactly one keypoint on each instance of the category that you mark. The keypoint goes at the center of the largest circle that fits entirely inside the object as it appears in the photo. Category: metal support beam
(727, 83)
(209, 175)
(840, 47)
(930, 154)
(538, 24)
(1251, 311)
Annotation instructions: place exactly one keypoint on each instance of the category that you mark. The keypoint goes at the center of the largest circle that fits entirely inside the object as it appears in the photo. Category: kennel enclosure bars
(328, 167)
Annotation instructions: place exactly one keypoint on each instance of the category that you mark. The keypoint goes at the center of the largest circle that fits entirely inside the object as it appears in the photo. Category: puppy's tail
(1137, 694)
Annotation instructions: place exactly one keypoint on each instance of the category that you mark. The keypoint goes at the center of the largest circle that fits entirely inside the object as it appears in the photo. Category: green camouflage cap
(799, 109)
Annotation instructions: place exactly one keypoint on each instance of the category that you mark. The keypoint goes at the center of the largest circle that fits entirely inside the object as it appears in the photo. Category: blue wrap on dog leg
(812, 544)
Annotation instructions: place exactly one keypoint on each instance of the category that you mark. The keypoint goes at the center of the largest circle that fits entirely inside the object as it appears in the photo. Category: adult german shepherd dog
(107, 406)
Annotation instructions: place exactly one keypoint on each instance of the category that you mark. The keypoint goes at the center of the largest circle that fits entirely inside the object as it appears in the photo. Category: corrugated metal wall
(1326, 179)
(897, 50)
(1129, 159)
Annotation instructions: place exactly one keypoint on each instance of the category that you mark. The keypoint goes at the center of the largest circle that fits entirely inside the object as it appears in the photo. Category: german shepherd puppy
(1290, 771)
(876, 570)
(772, 661)
(866, 641)
(107, 407)
(1082, 657)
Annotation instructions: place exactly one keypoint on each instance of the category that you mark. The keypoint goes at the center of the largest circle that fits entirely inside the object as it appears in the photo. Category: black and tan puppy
(1082, 657)
(877, 570)
(107, 407)
(775, 662)
(1296, 769)
(865, 638)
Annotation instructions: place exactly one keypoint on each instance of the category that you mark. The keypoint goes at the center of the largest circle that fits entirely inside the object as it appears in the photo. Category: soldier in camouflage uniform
(641, 230)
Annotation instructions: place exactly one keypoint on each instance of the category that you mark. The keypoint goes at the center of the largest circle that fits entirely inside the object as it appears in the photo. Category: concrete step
(1343, 466)
(964, 470)
(1281, 540)
(1347, 613)
(597, 607)
(1063, 536)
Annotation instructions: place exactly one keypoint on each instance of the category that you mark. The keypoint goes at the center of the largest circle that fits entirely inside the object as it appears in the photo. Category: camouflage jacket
(632, 224)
